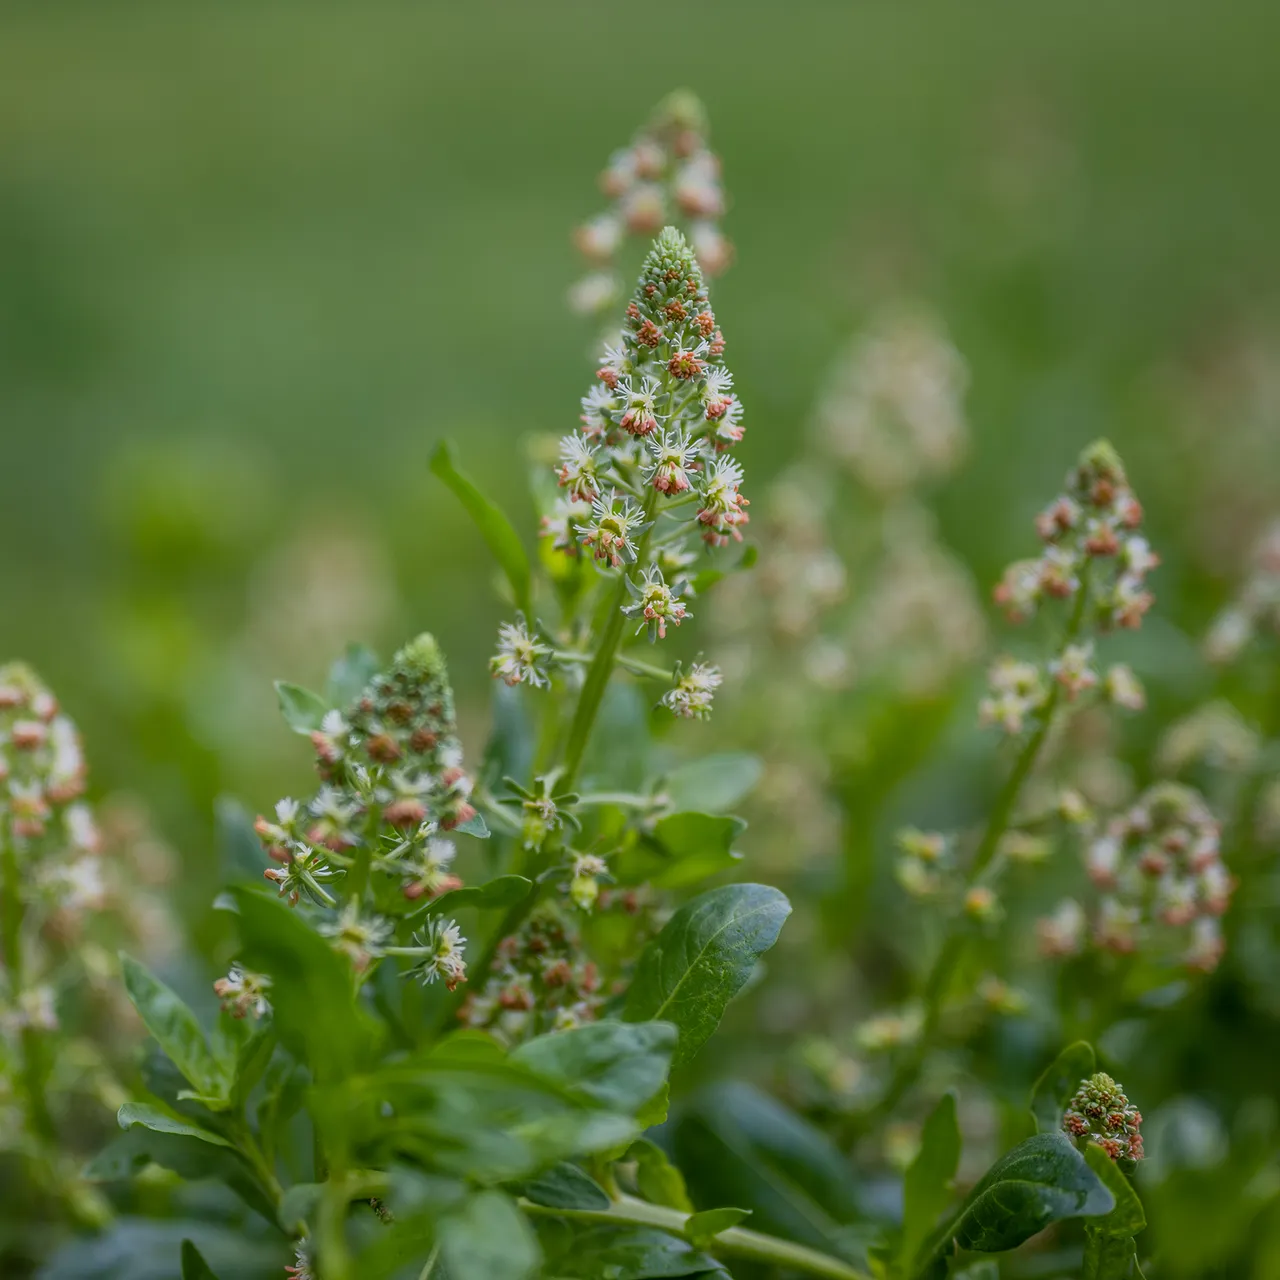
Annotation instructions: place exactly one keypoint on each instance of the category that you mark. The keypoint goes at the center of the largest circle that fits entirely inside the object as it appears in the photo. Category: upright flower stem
(736, 1242)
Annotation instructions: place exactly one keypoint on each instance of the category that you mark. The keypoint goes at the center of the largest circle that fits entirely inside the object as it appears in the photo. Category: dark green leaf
(503, 891)
(927, 1185)
(1110, 1251)
(149, 1248)
(302, 709)
(629, 1253)
(694, 846)
(565, 1186)
(194, 1267)
(251, 1061)
(487, 1239)
(503, 541)
(617, 1065)
(701, 959)
(350, 675)
(657, 1179)
(1060, 1080)
(1042, 1180)
(702, 1228)
(175, 1029)
(712, 784)
(240, 851)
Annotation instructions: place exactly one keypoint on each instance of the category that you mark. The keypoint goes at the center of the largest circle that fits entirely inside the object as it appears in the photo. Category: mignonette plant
(461, 991)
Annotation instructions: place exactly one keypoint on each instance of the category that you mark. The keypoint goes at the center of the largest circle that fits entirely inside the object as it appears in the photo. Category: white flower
(613, 528)
(694, 690)
(521, 657)
(597, 406)
(672, 457)
(242, 992)
(443, 956)
(360, 938)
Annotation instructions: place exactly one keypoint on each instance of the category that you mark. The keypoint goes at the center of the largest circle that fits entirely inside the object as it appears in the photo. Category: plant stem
(736, 1242)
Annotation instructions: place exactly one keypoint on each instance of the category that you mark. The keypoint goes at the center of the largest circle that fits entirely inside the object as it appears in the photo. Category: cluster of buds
(1256, 609)
(924, 862)
(541, 981)
(691, 695)
(1100, 1115)
(1092, 544)
(243, 993)
(667, 174)
(1159, 869)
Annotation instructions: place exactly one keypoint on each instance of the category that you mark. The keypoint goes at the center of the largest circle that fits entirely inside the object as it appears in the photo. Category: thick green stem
(736, 1242)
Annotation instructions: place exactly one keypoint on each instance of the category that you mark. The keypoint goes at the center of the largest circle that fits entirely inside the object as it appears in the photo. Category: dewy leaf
(927, 1185)
(350, 675)
(701, 959)
(614, 1064)
(175, 1028)
(302, 710)
(1040, 1181)
(695, 846)
(657, 1179)
(487, 1239)
(1061, 1078)
(495, 528)
(713, 784)
(503, 891)
(702, 1228)
(194, 1267)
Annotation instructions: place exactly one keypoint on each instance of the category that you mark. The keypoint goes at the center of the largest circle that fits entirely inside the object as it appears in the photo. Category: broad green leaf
(302, 710)
(487, 1239)
(738, 1146)
(565, 1186)
(657, 1179)
(350, 675)
(702, 1228)
(927, 1185)
(240, 852)
(701, 959)
(503, 541)
(194, 1267)
(1042, 1180)
(313, 993)
(694, 846)
(1110, 1251)
(175, 1028)
(1060, 1080)
(618, 1065)
(628, 1253)
(712, 784)
(503, 891)
(299, 1203)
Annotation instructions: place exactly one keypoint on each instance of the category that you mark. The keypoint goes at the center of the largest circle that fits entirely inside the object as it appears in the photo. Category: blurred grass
(256, 258)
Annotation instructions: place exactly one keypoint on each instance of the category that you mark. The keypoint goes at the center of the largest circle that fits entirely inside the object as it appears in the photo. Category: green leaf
(240, 851)
(503, 541)
(149, 1117)
(194, 1267)
(1042, 1180)
(487, 1239)
(302, 710)
(251, 1061)
(1058, 1083)
(565, 1186)
(313, 998)
(927, 1185)
(712, 784)
(739, 1146)
(175, 1029)
(657, 1179)
(1110, 1251)
(503, 891)
(701, 959)
(628, 1253)
(350, 675)
(617, 1065)
(299, 1203)
(474, 826)
(702, 1228)
(694, 846)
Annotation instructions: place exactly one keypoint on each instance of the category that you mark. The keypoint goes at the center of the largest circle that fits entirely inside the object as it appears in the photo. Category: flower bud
(1100, 1115)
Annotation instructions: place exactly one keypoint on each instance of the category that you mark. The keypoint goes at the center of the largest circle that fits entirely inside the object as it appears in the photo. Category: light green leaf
(488, 1239)
(194, 1267)
(503, 541)
(701, 959)
(1060, 1080)
(702, 1228)
(1110, 1251)
(302, 710)
(299, 1203)
(694, 846)
(927, 1185)
(140, 1113)
(175, 1029)
(712, 784)
(657, 1179)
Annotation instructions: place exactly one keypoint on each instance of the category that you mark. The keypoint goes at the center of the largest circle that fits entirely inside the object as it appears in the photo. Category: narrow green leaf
(1042, 1180)
(702, 1228)
(350, 675)
(194, 1267)
(175, 1028)
(657, 1179)
(302, 710)
(488, 1239)
(927, 1185)
(712, 784)
(701, 959)
(502, 891)
(503, 541)
(140, 1113)
(1061, 1078)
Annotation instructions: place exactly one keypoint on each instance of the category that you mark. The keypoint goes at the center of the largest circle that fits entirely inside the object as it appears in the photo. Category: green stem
(736, 1242)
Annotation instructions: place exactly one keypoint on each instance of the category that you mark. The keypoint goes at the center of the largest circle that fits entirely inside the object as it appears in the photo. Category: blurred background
(256, 260)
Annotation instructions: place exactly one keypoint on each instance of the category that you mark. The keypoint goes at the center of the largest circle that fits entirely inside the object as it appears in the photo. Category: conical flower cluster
(1100, 1115)
(668, 173)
